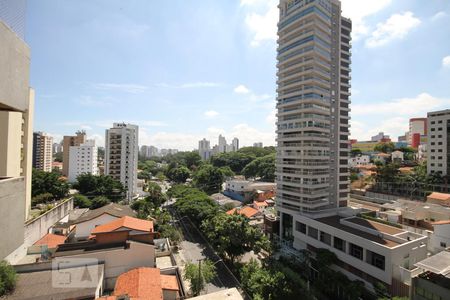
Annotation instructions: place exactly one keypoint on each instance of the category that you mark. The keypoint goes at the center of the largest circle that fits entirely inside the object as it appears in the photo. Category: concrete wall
(12, 214)
(10, 143)
(14, 72)
(84, 229)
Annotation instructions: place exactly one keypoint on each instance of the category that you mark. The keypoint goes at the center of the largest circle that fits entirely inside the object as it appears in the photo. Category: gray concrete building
(438, 145)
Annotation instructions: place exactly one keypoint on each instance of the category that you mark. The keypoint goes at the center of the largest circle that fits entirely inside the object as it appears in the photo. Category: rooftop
(228, 294)
(439, 196)
(112, 209)
(247, 211)
(51, 240)
(125, 223)
(438, 264)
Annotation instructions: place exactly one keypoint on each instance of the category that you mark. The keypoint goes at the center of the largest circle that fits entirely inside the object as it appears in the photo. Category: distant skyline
(183, 71)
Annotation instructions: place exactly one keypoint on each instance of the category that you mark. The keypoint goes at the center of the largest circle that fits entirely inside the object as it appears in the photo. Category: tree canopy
(385, 147)
(179, 174)
(8, 278)
(235, 160)
(263, 167)
(199, 275)
(47, 182)
(209, 179)
(100, 185)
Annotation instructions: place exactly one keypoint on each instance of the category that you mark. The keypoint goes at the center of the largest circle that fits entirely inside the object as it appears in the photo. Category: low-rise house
(440, 239)
(381, 157)
(93, 218)
(360, 160)
(145, 283)
(397, 157)
(228, 294)
(246, 211)
(260, 205)
(243, 190)
(433, 281)
(439, 198)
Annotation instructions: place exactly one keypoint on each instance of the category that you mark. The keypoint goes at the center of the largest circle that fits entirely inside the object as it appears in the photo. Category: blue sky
(184, 70)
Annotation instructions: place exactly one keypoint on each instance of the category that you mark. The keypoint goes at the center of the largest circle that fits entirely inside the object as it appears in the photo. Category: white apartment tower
(121, 155)
(235, 144)
(222, 144)
(438, 146)
(204, 149)
(83, 160)
(42, 151)
(313, 107)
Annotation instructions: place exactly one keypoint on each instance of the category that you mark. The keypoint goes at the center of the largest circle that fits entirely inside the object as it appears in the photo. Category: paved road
(195, 248)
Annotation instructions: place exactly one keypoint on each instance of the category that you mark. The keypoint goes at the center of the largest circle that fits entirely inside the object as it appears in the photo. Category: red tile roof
(125, 222)
(443, 222)
(144, 283)
(245, 211)
(51, 240)
(439, 196)
(260, 203)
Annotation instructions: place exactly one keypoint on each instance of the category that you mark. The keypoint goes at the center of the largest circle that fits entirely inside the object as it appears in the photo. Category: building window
(313, 232)
(444, 245)
(300, 227)
(339, 244)
(375, 259)
(325, 238)
(356, 251)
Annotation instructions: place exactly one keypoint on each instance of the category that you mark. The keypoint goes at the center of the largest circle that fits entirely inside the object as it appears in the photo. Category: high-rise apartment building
(235, 144)
(68, 141)
(42, 151)
(438, 146)
(313, 107)
(313, 149)
(204, 149)
(258, 144)
(83, 160)
(222, 144)
(16, 130)
(121, 155)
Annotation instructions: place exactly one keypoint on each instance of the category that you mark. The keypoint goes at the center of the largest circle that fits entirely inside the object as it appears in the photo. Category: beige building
(42, 151)
(16, 119)
(68, 141)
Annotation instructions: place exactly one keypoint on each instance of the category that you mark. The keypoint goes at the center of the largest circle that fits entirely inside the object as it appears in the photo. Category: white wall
(441, 235)
(82, 159)
(84, 229)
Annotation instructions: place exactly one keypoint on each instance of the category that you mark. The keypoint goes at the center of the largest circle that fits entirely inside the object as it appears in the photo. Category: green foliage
(81, 201)
(45, 182)
(170, 232)
(8, 278)
(42, 198)
(227, 172)
(236, 161)
(263, 167)
(193, 203)
(189, 159)
(386, 172)
(58, 157)
(179, 174)
(325, 258)
(100, 185)
(209, 179)
(257, 152)
(355, 152)
(99, 201)
(199, 275)
(387, 147)
(231, 235)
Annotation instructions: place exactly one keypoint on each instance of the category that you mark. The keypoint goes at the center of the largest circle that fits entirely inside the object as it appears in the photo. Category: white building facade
(204, 149)
(438, 156)
(121, 155)
(83, 160)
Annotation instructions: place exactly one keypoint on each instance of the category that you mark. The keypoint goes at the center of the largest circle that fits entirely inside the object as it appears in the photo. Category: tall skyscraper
(68, 141)
(235, 144)
(204, 149)
(222, 144)
(16, 130)
(438, 146)
(313, 107)
(83, 160)
(42, 151)
(121, 155)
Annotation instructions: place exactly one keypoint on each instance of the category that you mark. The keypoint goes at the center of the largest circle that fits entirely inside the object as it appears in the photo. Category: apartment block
(83, 160)
(42, 151)
(16, 138)
(204, 149)
(438, 146)
(121, 155)
(69, 141)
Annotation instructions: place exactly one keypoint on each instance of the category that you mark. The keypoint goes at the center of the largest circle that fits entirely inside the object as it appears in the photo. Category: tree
(385, 147)
(236, 161)
(209, 179)
(99, 201)
(227, 172)
(355, 152)
(257, 151)
(81, 201)
(179, 174)
(199, 275)
(170, 232)
(8, 278)
(387, 172)
(263, 167)
(232, 235)
(100, 185)
(58, 157)
(46, 182)
(42, 198)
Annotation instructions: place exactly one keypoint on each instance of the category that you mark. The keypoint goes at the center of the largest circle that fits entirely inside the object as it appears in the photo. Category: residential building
(121, 155)
(240, 189)
(433, 280)
(397, 157)
(258, 144)
(360, 160)
(235, 144)
(42, 151)
(422, 152)
(57, 147)
(227, 294)
(68, 141)
(93, 218)
(145, 283)
(165, 152)
(417, 126)
(149, 151)
(438, 146)
(204, 149)
(83, 160)
(380, 137)
(222, 144)
(16, 128)
(439, 198)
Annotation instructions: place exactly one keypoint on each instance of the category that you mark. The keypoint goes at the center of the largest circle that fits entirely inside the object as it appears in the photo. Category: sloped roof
(112, 209)
(125, 222)
(51, 240)
(439, 196)
(247, 211)
(260, 203)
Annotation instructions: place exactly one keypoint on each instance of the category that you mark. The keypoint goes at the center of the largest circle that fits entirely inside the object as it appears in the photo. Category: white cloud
(211, 114)
(394, 127)
(263, 25)
(396, 27)
(241, 89)
(121, 87)
(200, 84)
(439, 15)
(446, 62)
(358, 10)
(272, 117)
(86, 127)
(92, 101)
